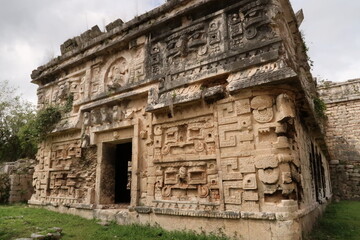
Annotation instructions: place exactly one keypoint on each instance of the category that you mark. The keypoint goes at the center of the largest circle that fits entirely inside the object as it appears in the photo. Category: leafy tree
(21, 127)
(15, 113)
(37, 128)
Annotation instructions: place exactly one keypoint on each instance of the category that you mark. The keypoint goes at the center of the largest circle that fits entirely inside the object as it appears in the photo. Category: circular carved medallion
(199, 146)
(263, 116)
(203, 191)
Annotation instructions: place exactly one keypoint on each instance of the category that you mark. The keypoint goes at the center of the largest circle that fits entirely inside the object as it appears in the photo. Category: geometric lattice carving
(236, 137)
(232, 192)
(184, 140)
(62, 153)
(230, 169)
(227, 113)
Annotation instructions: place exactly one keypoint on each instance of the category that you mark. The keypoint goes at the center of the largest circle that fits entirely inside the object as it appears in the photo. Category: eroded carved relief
(184, 140)
(117, 74)
(246, 23)
(62, 154)
(95, 84)
(187, 182)
(60, 180)
(187, 48)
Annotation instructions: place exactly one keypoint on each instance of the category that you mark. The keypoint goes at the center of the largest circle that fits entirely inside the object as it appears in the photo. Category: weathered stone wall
(16, 181)
(197, 112)
(343, 136)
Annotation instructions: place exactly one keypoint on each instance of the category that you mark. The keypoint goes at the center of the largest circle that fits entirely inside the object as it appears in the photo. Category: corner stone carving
(255, 149)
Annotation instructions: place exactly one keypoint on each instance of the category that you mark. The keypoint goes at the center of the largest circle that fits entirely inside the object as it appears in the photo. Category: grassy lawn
(341, 221)
(21, 221)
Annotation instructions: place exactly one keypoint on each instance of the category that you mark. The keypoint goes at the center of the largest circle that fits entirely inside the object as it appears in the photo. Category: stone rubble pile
(50, 234)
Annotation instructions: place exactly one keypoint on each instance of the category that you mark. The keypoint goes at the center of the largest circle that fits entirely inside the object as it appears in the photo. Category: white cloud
(332, 34)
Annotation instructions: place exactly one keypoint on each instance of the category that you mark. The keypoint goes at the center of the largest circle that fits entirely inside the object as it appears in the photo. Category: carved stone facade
(195, 111)
(343, 136)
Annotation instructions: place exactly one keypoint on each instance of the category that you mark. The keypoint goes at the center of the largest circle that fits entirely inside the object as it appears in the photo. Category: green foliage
(320, 108)
(14, 114)
(20, 221)
(306, 49)
(69, 103)
(21, 128)
(340, 221)
(37, 128)
(4, 188)
(46, 120)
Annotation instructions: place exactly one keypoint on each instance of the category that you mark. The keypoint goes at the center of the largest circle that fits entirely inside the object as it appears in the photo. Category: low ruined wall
(343, 136)
(16, 181)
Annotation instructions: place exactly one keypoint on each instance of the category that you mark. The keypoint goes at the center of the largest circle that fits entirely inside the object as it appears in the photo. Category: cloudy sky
(31, 32)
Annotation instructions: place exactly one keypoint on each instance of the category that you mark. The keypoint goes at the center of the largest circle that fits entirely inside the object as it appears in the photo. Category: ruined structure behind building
(16, 181)
(343, 136)
(196, 115)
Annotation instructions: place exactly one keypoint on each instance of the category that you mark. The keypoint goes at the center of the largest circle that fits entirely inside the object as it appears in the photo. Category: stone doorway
(115, 187)
(123, 172)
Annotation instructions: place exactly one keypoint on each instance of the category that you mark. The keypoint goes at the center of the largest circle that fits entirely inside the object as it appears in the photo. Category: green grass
(21, 221)
(341, 221)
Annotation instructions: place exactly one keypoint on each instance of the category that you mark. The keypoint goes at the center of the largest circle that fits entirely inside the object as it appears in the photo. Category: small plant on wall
(320, 108)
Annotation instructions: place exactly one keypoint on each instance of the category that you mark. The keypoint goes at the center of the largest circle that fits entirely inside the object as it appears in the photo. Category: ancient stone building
(343, 136)
(196, 115)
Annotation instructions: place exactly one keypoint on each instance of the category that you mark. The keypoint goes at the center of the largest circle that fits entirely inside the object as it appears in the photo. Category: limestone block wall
(343, 135)
(16, 181)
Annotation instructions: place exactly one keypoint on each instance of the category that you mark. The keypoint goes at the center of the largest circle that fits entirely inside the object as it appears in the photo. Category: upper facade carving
(169, 53)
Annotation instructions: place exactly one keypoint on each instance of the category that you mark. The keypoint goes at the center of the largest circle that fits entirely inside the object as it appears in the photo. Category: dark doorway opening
(123, 153)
